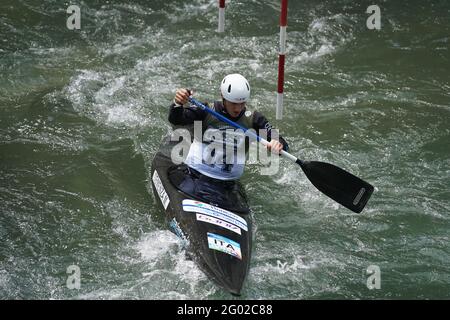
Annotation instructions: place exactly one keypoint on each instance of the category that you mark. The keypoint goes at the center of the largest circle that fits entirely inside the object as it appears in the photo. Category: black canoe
(211, 217)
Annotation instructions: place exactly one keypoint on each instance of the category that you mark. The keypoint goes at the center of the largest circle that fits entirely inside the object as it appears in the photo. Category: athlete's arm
(260, 122)
(179, 114)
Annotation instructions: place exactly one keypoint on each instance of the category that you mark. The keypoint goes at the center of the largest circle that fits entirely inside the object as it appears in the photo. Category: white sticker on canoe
(160, 189)
(225, 245)
(218, 222)
(201, 207)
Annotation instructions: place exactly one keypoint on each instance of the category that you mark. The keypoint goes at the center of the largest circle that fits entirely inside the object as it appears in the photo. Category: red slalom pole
(221, 16)
(281, 59)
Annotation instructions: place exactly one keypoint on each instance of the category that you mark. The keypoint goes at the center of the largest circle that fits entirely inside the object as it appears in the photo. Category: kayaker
(235, 92)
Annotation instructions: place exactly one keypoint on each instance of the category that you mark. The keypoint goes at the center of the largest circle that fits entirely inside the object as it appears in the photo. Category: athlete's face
(233, 109)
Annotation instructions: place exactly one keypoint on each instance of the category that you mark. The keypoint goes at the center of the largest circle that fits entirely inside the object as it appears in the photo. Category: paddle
(338, 184)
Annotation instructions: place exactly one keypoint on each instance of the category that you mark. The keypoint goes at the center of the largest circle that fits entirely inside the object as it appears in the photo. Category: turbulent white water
(83, 112)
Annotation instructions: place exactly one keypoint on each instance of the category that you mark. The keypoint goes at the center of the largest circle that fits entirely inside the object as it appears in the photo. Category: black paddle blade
(340, 185)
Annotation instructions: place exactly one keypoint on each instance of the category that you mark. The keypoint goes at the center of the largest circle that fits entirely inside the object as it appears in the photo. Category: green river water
(82, 113)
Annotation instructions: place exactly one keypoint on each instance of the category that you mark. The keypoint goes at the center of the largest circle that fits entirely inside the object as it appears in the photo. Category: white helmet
(235, 88)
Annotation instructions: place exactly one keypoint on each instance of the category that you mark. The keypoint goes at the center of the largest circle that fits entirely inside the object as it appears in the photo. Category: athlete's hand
(182, 96)
(275, 146)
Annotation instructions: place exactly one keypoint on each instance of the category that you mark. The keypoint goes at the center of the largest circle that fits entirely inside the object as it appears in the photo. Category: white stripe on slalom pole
(221, 16)
(279, 106)
(283, 40)
(221, 20)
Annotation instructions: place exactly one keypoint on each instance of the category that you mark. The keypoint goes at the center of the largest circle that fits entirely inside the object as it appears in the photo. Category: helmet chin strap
(224, 107)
